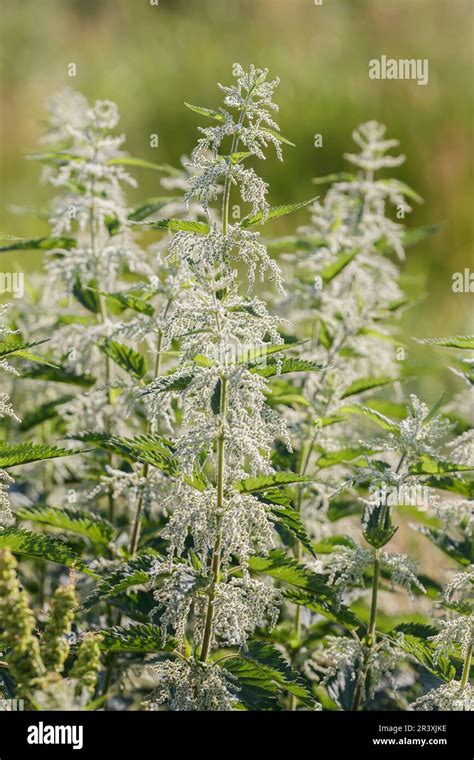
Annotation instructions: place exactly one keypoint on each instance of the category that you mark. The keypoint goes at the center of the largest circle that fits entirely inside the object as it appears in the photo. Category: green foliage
(127, 358)
(40, 244)
(70, 519)
(263, 676)
(149, 449)
(43, 547)
(138, 637)
(134, 572)
(24, 453)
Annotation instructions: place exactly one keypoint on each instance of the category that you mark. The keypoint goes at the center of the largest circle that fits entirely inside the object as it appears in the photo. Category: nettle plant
(347, 294)
(210, 456)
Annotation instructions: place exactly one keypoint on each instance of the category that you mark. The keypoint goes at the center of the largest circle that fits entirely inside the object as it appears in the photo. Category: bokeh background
(149, 59)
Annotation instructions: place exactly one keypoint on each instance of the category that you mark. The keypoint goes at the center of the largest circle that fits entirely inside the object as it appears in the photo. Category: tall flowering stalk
(94, 264)
(346, 291)
(228, 428)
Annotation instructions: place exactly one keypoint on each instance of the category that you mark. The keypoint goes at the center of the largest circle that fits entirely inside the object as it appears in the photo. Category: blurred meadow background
(150, 59)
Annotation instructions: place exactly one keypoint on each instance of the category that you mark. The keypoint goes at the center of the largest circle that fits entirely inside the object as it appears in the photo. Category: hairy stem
(370, 635)
(305, 460)
(135, 537)
(370, 638)
(466, 668)
(103, 317)
(216, 556)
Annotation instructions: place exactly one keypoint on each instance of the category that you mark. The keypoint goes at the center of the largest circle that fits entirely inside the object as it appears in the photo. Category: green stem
(228, 184)
(216, 555)
(370, 638)
(135, 537)
(371, 635)
(466, 668)
(108, 362)
(305, 460)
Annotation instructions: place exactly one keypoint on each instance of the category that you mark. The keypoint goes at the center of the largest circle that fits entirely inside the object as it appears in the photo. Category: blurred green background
(149, 59)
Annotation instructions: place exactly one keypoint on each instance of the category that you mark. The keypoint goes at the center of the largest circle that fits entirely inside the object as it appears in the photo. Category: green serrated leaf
(59, 375)
(152, 206)
(380, 419)
(130, 300)
(135, 572)
(418, 234)
(169, 383)
(367, 384)
(255, 689)
(332, 270)
(454, 484)
(461, 550)
(87, 295)
(290, 520)
(137, 637)
(274, 213)
(270, 671)
(331, 458)
(465, 342)
(330, 610)
(335, 177)
(39, 546)
(140, 163)
(216, 115)
(426, 465)
(262, 482)
(12, 455)
(277, 135)
(325, 338)
(13, 347)
(274, 368)
(288, 570)
(149, 449)
(180, 225)
(40, 244)
(419, 630)
(80, 521)
(437, 664)
(41, 414)
(126, 358)
(401, 187)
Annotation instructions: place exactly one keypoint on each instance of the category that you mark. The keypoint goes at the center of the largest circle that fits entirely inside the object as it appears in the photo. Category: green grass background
(150, 59)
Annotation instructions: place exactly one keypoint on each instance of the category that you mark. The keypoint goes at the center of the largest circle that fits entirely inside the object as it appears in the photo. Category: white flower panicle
(450, 696)
(87, 167)
(187, 686)
(346, 567)
(372, 157)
